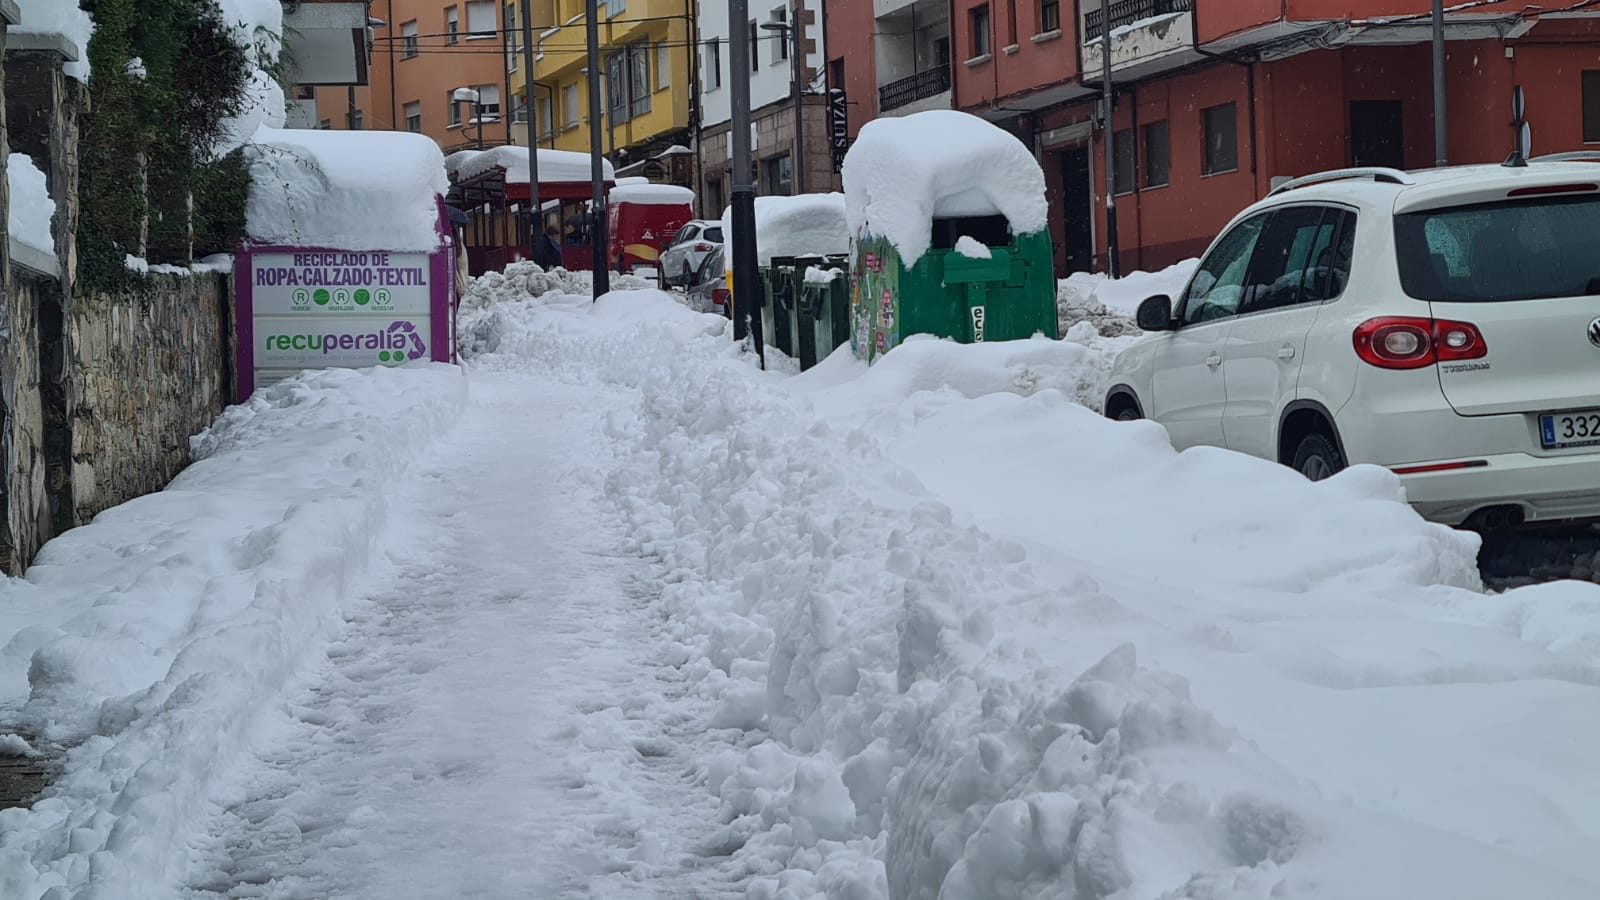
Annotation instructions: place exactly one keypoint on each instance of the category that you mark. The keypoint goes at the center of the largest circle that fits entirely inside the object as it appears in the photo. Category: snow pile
(257, 27)
(136, 69)
(1123, 295)
(31, 205)
(902, 173)
(154, 641)
(350, 190)
(820, 276)
(802, 225)
(555, 166)
(651, 195)
(59, 17)
(960, 637)
(972, 249)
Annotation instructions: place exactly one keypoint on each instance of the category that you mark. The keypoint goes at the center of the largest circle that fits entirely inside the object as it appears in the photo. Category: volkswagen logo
(1594, 332)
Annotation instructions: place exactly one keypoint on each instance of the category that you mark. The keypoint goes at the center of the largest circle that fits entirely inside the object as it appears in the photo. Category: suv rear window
(1520, 250)
(714, 234)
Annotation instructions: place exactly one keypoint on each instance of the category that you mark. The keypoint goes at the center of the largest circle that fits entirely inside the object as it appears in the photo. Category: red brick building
(1218, 99)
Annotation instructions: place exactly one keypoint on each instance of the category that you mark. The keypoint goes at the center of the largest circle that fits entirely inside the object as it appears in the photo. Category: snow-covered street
(492, 722)
(616, 614)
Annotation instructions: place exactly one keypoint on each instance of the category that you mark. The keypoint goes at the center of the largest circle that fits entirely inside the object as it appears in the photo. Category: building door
(1377, 134)
(1078, 209)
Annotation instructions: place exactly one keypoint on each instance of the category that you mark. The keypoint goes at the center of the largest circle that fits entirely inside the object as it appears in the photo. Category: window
(713, 234)
(325, 125)
(638, 79)
(836, 74)
(480, 19)
(513, 38)
(1122, 159)
(1591, 107)
(1222, 139)
(1218, 285)
(452, 24)
(1506, 251)
(569, 106)
(941, 52)
(1157, 155)
(780, 39)
(663, 66)
(488, 101)
(778, 176)
(615, 7)
(715, 202)
(617, 87)
(980, 31)
(455, 107)
(546, 117)
(1011, 23)
(413, 112)
(713, 65)
(408, 39)
(1293, 257)
(755, 46)
(1049, 16)
(686, 234)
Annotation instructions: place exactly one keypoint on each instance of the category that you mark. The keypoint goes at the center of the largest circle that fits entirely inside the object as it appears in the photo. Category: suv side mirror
(1155, 314)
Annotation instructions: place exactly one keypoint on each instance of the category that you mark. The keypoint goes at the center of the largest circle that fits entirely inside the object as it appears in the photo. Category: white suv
(1444, 324)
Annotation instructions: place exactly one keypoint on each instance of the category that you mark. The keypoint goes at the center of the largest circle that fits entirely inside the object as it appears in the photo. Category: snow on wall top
(804, 225)
(31, 206)
(901, 173)
(652, 194)
(59, 17)
(348, 190)
(555, 166)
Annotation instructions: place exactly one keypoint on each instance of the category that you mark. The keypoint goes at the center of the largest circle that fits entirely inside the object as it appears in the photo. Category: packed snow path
(491, 724)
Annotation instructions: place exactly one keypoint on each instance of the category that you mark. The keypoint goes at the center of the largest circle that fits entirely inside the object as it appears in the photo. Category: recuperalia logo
(397, 343)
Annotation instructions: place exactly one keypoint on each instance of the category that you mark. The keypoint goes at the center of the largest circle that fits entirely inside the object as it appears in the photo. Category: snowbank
(554, 165)
(31, 204)
(962, 638)
(346, 190)
(903, 172)
(58, 17)
(1124, 294)
(652, 194)
(153, 641)
(802, 225)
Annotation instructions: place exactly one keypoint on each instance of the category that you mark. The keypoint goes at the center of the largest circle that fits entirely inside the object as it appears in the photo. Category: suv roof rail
(1376, 173)
(1569, 156)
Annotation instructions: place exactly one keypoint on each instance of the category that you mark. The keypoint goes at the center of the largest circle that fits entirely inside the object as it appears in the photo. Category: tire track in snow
(496, 721)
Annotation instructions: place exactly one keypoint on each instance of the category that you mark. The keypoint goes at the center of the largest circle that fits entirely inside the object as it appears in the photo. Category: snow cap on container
(802, 225)
(903, 172)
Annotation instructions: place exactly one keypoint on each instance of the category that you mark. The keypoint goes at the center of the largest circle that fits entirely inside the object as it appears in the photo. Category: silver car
(681, 260)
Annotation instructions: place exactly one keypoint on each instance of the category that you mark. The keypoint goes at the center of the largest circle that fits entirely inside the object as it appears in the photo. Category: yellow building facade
(646, 74)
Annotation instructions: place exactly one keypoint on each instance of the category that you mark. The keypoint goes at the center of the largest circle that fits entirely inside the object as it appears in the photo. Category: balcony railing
(928, 83)
(1127, 12)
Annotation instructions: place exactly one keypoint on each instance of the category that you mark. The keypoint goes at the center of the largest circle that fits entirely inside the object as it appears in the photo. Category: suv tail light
(719, 296)
(702, 248)
(1402, 342)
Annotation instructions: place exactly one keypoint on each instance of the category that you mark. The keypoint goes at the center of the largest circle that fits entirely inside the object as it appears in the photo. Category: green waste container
(1008, 294)
(806, 319)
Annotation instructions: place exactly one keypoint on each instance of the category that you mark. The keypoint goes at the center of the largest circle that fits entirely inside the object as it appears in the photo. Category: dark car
(708, 290)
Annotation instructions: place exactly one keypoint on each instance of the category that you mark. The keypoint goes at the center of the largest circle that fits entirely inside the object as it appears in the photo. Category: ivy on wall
(167, 75)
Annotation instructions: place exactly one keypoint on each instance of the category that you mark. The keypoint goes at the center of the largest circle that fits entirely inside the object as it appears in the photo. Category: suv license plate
(1580, 428)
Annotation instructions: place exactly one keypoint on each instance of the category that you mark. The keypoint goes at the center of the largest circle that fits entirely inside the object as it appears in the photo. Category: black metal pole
(1108, 131)
(799, 100)
(1441, 155)
(747, 290)
(536, 214)
(598, 239)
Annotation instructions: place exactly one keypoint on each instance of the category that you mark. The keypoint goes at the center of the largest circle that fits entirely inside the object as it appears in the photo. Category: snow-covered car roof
(1447, 186)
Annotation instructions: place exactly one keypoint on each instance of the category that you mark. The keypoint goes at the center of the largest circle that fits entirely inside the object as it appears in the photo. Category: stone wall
(27, 522)
(147, 372)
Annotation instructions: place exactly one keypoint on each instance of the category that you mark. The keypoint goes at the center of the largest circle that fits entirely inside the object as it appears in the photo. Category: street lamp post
(470, 95)
(536, 212)
(599, 240)
(747, 290)
(791, 35)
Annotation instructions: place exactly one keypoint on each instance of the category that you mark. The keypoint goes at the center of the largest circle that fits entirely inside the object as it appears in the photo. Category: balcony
(327, 42)
(1147, 37)
(921, 86)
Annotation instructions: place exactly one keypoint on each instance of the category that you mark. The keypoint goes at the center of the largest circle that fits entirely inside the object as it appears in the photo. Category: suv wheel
(1317, 457)
(1127, 414)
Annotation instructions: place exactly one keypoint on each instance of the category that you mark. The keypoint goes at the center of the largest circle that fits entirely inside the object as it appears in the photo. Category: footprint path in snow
(493, 724)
